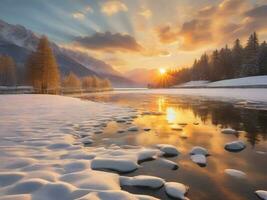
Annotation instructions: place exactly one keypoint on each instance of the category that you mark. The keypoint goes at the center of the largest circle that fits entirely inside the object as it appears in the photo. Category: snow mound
(262, 194)
(235, 173)
(115, 195)
(176, 190)
(168, 150)
(229, 131)
(142, 181)
(199, 159)
(199, 150)
(168, 163)
(8, 178)
(117, 164)
(90, 179)
(235, 146)
(133, 128)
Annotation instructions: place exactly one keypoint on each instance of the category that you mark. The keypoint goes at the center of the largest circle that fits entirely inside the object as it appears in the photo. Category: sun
(162, 71)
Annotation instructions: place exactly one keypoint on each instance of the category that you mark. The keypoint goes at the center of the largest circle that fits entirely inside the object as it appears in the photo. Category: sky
(129, 34)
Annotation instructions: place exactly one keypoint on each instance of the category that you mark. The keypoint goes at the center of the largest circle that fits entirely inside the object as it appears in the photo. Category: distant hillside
(18, 42)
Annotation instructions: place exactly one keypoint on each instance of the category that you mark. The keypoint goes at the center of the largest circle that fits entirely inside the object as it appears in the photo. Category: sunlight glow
(162, 71)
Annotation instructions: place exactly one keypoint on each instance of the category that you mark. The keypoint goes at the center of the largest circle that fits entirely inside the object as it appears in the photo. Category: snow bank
(42, 155)
(252, 81)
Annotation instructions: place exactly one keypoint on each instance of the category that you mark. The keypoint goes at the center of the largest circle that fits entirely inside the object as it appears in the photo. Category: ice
(142, 181)
(235, 146)
(262, 194)
(235, 173)
(176, 190)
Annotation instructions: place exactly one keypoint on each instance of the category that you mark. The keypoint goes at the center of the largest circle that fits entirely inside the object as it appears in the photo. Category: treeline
(43, 74)
(226, 63)
(72, 82)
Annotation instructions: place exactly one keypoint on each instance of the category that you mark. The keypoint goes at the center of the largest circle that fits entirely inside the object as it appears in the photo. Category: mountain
(142, 76)
(18, 42)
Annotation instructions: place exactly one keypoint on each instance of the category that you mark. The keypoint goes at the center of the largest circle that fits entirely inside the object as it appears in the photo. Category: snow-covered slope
(252, 81)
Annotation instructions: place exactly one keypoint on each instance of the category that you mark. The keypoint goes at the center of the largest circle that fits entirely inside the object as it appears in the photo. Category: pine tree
(215, 70)
(251, 63)
(42, 69)
(87, 82)
(7, 71)
(238, 57)
(263, 58)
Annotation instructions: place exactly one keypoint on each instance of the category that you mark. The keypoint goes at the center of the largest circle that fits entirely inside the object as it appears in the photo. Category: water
(202, 121)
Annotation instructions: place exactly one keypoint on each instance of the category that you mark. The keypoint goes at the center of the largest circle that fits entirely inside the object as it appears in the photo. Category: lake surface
(201, 121)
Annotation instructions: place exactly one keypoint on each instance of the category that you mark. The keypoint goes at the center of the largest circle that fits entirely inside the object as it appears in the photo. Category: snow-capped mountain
(19, 42)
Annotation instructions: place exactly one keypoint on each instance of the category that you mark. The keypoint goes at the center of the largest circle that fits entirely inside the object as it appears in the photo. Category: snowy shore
(43, 154)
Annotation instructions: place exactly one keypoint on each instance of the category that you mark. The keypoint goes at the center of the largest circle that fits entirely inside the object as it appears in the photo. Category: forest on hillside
(43, 74)
(225, 63)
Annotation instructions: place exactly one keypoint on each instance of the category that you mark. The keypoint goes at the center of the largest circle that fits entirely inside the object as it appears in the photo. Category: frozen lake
(185, 122)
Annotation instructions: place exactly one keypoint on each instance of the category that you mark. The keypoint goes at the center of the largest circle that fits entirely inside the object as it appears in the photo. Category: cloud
(146, 13)
(167, 33)
(216, 25)
(109, 42)
(258, 12)
(112, 7)
(78, 15)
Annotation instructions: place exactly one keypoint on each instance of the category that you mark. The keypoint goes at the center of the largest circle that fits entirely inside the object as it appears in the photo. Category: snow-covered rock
(262, 194)
(229, 131)
(133, 128)
(199, 159)
(116, 164)
(235, 173)
(199, 150)
(235, 146)
(168, 163)
(142, 181)
(168, 150)
(86, 140)
(176, 190)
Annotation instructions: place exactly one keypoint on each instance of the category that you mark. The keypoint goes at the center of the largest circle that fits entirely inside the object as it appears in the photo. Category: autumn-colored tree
(87, 82)
(7, 71)
(42, 68)
(72, 81)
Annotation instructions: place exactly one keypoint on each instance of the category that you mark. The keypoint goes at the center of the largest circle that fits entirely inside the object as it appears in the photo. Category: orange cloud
(112, 7)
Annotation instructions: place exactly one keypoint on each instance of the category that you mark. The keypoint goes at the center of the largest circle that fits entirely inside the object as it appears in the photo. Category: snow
(168, 150)
(229, 131)
(255, 81)
(192, 84)
(199, 159)
(235, 173)
(235, 146)
(133, 128)
(142, 181)
(199, 150)
(176, 190)
(42, 154)
(168, 163)
(262, 194)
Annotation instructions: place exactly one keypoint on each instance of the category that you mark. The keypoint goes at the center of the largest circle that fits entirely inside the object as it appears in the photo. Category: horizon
(132, 35)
